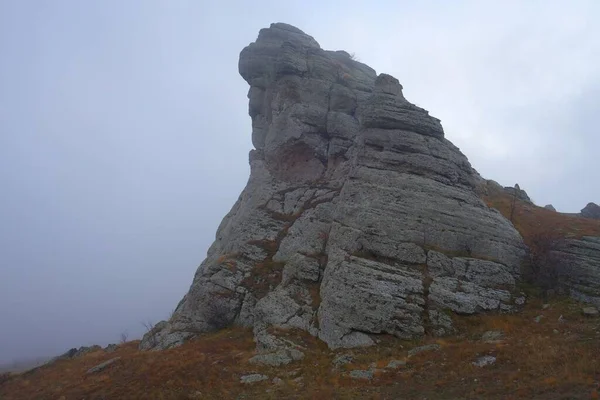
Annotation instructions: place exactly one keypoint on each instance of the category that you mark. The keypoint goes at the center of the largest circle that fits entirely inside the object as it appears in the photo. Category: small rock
(484, 361)
(394, 364)
(590, 311)
(111, 347)
(299, 381)
(103, 365)
(549, 207)
(252, 378)
(342, 360)
(545, 306)
(361, 374)
(491, 336)
(562, 319)
(428, 347)
(555, 331)
(538, 319)
(520, 300)
(281, 357)
(292, 373)
(277, 381)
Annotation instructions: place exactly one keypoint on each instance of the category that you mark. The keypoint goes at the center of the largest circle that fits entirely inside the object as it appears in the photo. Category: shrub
(546, 266)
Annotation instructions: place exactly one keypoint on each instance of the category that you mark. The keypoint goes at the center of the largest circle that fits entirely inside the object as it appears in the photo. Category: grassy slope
(532, 362)
(545, 360)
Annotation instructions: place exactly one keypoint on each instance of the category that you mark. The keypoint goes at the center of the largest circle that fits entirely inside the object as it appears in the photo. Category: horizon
(126, 135)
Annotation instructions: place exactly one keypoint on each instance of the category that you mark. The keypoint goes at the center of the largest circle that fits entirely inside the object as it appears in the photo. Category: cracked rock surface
(358, 218)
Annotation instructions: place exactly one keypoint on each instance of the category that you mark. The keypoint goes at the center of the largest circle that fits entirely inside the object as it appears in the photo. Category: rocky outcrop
(358, 218)
(549, 207)
(592, 210)
(518, 193)
(580, 275)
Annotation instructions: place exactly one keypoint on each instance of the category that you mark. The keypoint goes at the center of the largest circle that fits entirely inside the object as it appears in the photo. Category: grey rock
(253, 378)
(342, 360)
(484, 361)
(538, 319)
(591, 210)
(111, 348)
(549, 207)
(103, 366)
(281, 357)
(421, 349)
(518, 193)
(520, 300)
(590, 311)
(395, 364)
(278, 381)
(581, 278)
(359, 217)
(491, 336)
(361, 374)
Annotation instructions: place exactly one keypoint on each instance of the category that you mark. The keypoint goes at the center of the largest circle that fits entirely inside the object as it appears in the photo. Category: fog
(124, 133)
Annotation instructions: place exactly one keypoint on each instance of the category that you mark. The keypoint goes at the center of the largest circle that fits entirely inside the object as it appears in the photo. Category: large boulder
(359, 217)
(579, 260)
(592, 210)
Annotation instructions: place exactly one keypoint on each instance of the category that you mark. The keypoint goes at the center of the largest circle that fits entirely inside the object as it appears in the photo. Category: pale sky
(124, 133)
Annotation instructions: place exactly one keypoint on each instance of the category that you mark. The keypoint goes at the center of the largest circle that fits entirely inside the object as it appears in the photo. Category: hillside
(549, 351)
(546, 360)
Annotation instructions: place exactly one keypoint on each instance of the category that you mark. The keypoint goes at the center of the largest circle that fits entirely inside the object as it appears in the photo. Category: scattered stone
(395, 364)
(277, 381)
(484, 361)
(278, 358)
(292, 373)
(103, 365)
(342, 360)
(252, 378)
(562, 319)
(520, 300)
(545, 306)
(361, 374)
(111, 347)
(549, 207)
(590, 311)
(555, 331)
(428, 347)
(491, 336)
(538, 319)
(299, 381)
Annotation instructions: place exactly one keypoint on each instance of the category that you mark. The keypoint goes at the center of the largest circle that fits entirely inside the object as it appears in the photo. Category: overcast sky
(124, 133)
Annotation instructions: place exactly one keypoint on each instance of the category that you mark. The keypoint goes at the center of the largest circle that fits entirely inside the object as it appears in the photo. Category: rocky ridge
(358, 218)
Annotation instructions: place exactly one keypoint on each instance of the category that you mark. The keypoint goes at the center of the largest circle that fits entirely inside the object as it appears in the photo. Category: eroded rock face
(358, 218)
(592, 210)
(581, 257)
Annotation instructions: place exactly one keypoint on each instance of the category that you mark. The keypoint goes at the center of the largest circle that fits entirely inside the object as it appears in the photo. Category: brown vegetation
(546, 360)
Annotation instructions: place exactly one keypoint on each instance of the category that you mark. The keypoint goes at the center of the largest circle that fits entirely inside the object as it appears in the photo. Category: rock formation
(580, 259)
(518, 192)
(549, 207)
(358, 218)
(592, 210)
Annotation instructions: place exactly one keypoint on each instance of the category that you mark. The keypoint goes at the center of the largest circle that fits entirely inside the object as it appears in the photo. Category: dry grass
(533, 361)
(531, 220)
(545, 360)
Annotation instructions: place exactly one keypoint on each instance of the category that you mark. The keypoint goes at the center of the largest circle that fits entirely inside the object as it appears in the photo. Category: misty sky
(124, 133)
